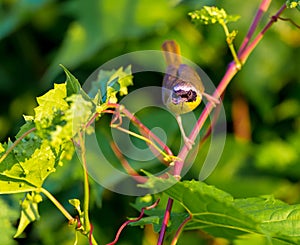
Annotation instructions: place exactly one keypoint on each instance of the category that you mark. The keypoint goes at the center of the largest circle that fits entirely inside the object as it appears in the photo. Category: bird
(183, 89)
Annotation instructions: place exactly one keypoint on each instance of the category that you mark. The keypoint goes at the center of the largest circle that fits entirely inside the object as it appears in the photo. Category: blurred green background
(262, 151)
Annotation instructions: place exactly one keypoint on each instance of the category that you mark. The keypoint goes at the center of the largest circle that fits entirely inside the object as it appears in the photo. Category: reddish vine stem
(132, 220)
(146, 131)
(290, 20)
(175, 239)
(244, 51)
(261, 10)
(245, 54)
(165, 222)
(230, 73)
(126, 165)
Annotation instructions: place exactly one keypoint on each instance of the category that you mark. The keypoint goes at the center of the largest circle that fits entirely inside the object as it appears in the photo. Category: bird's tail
(172, 53)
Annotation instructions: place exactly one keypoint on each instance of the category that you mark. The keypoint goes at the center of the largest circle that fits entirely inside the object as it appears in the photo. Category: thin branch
(142, 128)
(180, 228)
(165, 222)
(290, 20)
(247, 51)
(230, 73)
(87, 225)
(57, 204)
(125, 164)
(167, 157)
(16, 143)
(261, 10)
(148, 132)
(132, 220)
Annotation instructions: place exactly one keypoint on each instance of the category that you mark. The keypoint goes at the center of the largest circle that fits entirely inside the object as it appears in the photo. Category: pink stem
(262, 9)
(132, 220)
(165, 222)
(180, 228)
(247, 51)
(230, 73)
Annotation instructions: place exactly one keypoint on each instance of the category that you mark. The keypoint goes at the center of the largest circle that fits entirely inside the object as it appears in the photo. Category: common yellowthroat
(182, 87)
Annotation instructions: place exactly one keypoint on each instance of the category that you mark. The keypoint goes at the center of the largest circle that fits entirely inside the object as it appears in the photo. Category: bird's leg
(188, 142)
(211, 99)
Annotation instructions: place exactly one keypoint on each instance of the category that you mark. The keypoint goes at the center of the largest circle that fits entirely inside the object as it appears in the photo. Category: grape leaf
(73, 85)
(27, 175)
(109, 83)
(29, 212)
(50, 103)
(219, 214)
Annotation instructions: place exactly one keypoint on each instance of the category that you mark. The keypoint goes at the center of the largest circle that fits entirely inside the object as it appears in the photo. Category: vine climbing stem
(245, 50)
(229, 74)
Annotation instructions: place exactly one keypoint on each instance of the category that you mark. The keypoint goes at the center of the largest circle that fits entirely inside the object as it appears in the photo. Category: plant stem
(16, 143)
(56, 203)
(86, 198)
(167, 157)
(230, 73)
(165, 222)
(146, 131)
(180, 228)
(247, 51)
(229, 41)
(261, 10)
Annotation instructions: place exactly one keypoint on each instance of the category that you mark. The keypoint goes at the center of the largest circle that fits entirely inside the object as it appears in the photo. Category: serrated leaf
(219, 214)
(29, 213)
(50, 102)
(79, 113)
(72, 84)
(20, 176)
(25, 127)
(15, 183)
(109, 83)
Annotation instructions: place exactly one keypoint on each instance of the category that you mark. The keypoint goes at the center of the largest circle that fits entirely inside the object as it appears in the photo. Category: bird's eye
(191, 96)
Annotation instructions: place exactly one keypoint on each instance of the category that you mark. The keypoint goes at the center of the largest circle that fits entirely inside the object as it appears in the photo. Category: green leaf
(12, 176)
(51, 104)
(58, 118)
(79, 113)
(155, 216)
(25, 127)
(76, 204)
(2, 149)
(219, 214)
(212, 15)
(73, 86)
(27, 173)
(7, 216)
(109, 83)
(29, 212)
